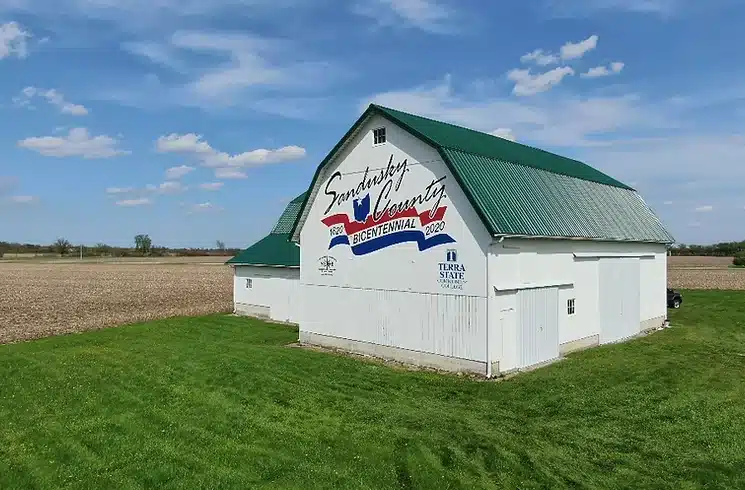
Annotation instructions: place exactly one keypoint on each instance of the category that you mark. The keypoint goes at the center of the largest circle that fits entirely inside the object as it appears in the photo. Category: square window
(249, 283)
(378, 136)
(570, 306)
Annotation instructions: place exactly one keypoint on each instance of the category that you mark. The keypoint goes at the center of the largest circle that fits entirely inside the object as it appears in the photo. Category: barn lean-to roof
(521, 191)
(275, 249)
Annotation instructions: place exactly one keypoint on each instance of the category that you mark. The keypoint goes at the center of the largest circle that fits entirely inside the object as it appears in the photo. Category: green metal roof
(521, 200)
(518, 190)
(285, 222)
(275, 249)
(446, 135)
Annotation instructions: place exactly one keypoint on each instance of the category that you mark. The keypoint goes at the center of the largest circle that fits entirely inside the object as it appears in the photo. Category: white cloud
(7, 183)
(229, 173)
(211, 186)
(563, 121)
(705, 209)
(159, 54)
(143, 15)
(119, 190)
(174, 173)
(584, 7)
(52, 96)
(254, 63)
(427, 15)
(604, 71)
(169, 187)
(529, 84)
(227, 69)
(571, 51)
(13, 40)
(540, 58)
(143, 201)
(23, 199)
(183, 143)
(505, 133)
(78, 142)
(203, 208)
(193, 144)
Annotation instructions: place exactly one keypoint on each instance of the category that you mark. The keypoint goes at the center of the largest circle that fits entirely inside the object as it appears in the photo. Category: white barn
(266, 276)
(437, 245)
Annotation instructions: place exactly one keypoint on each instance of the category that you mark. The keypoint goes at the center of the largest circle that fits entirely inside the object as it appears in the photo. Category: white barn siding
(273, 292)
(574, 268)
(391, 297)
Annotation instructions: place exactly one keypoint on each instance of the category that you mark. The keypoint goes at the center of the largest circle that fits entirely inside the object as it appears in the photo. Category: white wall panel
(585, 322)
(448, 325)
(277, 289)
(538, 325)
(417, 174)
(619, 281)
(429, 299)
(517, 264)
(653, 287)
(503, 335)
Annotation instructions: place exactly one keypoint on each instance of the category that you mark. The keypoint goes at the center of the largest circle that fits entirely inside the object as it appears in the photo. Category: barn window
(249, 283)
(378, 136)
(570, 306)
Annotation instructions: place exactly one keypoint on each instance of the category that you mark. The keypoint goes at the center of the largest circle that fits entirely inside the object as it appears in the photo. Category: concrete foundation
(652, 323)
(414, 358)
(581, 344)
(255, 311)
(445, 363)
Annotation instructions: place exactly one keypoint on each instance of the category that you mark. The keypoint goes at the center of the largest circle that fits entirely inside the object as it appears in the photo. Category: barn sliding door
(619, 290)
(538, 325)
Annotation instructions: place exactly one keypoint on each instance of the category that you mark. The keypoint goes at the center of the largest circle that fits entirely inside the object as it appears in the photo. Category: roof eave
(294, 237)
(273, 266)
(502, 236)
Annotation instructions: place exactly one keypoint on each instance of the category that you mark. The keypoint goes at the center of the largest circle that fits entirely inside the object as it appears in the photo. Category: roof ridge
(458, 126)
(515, 162)
(509, 147)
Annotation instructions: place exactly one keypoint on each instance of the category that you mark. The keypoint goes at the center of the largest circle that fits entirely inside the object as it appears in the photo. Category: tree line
(143, 247)
(724, 249)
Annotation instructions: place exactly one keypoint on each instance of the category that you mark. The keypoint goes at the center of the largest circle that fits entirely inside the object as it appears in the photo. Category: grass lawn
(220, 402)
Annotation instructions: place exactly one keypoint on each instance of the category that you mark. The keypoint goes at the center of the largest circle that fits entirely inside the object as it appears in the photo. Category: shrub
(739, 260)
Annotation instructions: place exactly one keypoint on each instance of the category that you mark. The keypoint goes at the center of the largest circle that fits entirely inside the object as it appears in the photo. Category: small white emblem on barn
(327, 265)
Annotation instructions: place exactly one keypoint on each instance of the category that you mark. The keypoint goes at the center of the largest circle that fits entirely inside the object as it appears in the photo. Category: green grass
(221, 402)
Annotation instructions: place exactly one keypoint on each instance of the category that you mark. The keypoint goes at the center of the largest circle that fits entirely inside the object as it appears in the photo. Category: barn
(266, 275)
(437, 245)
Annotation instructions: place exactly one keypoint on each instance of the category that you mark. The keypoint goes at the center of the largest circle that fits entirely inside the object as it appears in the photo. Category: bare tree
(62, 246)
(220, 245)
(101, 249)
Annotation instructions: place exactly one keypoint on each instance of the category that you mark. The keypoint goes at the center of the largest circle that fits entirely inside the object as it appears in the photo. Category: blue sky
(195, 121)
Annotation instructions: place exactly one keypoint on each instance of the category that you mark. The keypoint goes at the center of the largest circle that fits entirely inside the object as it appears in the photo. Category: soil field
(30, 259)
(44, 297)
(681, 262)
(704, 273)
(39, 299)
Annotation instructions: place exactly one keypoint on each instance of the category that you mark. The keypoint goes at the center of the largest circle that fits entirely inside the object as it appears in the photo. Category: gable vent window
(570, 306)
(249, 283)
(378, 136)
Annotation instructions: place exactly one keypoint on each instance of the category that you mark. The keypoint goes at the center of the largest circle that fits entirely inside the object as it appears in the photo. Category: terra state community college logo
(384, 214)
(452, 274)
